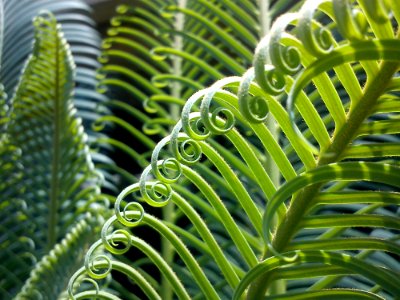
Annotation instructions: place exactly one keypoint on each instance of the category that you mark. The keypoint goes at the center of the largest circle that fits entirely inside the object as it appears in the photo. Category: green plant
(255, 199)
(322, 226)
(49, 182)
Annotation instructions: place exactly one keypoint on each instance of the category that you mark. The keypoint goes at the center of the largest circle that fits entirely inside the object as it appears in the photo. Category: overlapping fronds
(125, 75)
(51, 181)
(81, 35)
(158, 53)
(79, 32)
(49, 278)
(15, 245)
(329, 226)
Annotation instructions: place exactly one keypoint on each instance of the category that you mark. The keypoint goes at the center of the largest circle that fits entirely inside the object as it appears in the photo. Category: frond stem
(278, 286)
(55, 176)
(169, 214)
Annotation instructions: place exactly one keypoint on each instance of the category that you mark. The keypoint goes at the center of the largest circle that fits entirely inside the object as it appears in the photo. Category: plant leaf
(58, 181)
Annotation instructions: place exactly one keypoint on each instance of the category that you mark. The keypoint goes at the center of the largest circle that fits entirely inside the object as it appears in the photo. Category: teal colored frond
(48, 278)
(51, 179)
(79, 28)
(16, 244)
(45, 127)
(80, 33)
(1, 30)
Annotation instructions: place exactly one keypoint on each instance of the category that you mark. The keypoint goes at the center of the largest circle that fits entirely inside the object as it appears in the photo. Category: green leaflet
(387, 150)
(341, 293)
(343, 260)
(60, 261)
(383, 173)
(51, 116)
(356, 51)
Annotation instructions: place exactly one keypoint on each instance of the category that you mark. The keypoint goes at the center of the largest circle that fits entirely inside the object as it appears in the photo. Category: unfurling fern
(156, 54)
(327, 226)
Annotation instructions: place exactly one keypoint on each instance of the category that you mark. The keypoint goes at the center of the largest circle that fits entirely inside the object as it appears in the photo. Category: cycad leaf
(57, 178)
(16, 245)
(47, 279)
(85, 41)
(80, 34)
(312, 191)
(45, 127)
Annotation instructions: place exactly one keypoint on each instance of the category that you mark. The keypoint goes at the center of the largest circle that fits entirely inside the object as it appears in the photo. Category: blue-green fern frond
(15, 231)
(56, 182)
(48, 279)
(80, 33)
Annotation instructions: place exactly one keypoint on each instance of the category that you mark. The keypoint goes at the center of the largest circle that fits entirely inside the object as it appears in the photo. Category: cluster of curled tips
(98, 265)
(199, 125)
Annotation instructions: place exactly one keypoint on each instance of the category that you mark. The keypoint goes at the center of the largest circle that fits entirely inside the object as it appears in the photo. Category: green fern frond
(62, 260)
(57, 181)
(328, 227)
(16, 244)
(42, 107)
(80, 33)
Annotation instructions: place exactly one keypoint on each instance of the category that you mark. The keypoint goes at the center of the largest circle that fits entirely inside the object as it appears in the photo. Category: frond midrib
(55, 180)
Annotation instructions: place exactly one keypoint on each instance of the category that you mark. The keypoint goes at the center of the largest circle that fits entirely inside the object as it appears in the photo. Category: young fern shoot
(327, 76)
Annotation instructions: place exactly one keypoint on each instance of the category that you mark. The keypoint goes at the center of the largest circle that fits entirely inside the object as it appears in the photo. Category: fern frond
(15, 231)
(80, 34)
(57, 181)
(62, 260)
(85, 41)
(42, 106)
(336, 74)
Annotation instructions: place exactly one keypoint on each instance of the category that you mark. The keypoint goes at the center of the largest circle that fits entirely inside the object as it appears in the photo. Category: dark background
(103, 10)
